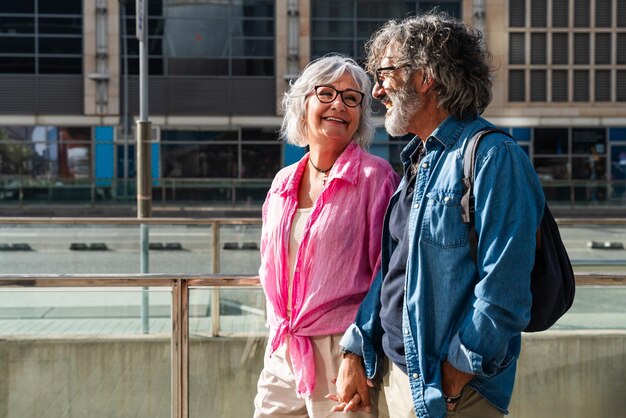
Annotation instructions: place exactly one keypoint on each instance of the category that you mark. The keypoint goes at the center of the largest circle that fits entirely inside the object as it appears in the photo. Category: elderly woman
(321, 238)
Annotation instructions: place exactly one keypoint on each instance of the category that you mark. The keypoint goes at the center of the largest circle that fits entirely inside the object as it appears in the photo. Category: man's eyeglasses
(383, 72)
(327, 94)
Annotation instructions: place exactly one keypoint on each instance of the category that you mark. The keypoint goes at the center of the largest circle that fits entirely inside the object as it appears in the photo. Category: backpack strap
(467, 201)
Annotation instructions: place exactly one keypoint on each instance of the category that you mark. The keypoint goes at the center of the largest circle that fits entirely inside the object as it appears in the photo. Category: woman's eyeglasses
(327, 94)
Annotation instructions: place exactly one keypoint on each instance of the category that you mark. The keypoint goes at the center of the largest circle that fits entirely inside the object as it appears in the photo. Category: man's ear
(424, 81)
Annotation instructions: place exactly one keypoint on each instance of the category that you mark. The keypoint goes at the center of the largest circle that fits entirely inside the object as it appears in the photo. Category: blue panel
(154, 152)
(617, 134)
(104, 159)
(521, 134)
(293, 154)
(380, 145)
(104, 134)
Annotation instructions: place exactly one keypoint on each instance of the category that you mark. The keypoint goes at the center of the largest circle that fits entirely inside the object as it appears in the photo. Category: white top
(295, 238)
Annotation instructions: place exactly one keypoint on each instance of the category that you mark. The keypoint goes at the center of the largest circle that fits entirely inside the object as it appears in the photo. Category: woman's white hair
(325, 70)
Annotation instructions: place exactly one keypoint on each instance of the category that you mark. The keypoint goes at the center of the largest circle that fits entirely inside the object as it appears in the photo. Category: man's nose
(378, 91)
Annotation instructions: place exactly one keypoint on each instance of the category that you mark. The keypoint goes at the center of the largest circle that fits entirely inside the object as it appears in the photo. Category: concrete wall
(561, 374)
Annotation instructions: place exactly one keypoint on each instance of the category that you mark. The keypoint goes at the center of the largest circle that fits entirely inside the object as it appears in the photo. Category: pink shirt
(338, 257)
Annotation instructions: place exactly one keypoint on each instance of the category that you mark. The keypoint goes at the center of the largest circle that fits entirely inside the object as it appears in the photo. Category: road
(51, 254)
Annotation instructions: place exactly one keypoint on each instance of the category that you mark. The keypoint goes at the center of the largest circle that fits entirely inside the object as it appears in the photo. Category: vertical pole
(215, 293)
(180, 348)
(143, 133)
(125, 102)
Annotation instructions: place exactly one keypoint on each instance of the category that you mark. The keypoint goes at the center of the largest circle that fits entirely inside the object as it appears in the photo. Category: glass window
(250, 67)
(60, 7)
(559, 86)
(589, 141)
(550, 141)
(581, 85)
(72, 25)
(538, 86)
(581, 48)
(63, 65)
(517, 48)
(260, 160)
(538, 46)
(517, 86)
(344, 26)
(618, 162)
(263, 135)
(582, 13)
(253, 47)
(197, 136)
(591, 167)
(603, 48)
(17, 65)
(60, 45)
(517, 13)
(560, 48)
(43, 18)
(621, 48)
(551, 168)
(603, 13)
(21, 6)
(538, 14)
(16, 45)
(257, 27)
(620, 89)
(560, 13)
(13, 24)
(332, 9)
(74, 152)
(621, 17)
(193, 160)
(603, 86)
(333, 28)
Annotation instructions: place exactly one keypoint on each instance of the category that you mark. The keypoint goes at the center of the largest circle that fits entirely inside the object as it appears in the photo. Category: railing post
(180, 348)
(215, 293)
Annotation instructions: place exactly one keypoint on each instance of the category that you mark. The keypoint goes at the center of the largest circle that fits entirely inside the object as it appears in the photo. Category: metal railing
(180, 286)
(214, 223)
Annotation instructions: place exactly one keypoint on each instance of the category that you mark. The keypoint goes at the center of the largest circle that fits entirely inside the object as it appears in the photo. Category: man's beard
(406, 103)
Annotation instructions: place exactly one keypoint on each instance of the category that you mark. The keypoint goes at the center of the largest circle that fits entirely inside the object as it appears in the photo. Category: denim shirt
(469, 313)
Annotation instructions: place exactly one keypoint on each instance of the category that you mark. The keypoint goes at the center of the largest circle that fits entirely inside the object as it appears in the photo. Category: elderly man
(442, 330)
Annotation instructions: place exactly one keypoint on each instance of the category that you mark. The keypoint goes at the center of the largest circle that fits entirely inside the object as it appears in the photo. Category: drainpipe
(101, 76)
(479, 15)
(293, 39)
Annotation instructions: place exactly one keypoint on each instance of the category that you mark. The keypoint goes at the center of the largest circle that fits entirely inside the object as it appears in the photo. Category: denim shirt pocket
(443, 225)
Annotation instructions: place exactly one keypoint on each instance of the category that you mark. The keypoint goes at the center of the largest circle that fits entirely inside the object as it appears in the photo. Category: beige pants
(395, 400)
(276, 390)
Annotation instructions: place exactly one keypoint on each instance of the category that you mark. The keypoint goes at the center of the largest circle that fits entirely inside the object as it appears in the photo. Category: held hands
(452, 382)
(352, 386)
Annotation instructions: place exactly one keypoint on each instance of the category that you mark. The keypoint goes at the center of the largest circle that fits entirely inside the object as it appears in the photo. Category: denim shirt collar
(447, 133)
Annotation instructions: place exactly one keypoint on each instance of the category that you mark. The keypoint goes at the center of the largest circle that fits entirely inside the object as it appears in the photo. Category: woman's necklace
(325, 176)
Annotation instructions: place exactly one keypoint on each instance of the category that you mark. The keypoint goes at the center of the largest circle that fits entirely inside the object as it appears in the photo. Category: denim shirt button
(425, 165)
(406, 332)
(446, 199)
(416, 206)
(415, 375)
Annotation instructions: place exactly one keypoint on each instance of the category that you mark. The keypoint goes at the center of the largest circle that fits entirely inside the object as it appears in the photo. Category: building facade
(217, 69)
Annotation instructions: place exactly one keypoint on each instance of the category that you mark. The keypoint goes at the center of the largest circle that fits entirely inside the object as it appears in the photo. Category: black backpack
(552, 279)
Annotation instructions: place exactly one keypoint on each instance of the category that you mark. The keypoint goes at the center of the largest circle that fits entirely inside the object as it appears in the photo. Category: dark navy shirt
(392, 291)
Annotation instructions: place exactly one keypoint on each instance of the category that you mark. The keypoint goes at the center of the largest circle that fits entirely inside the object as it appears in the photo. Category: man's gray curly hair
(325, 70)
(446, 49)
